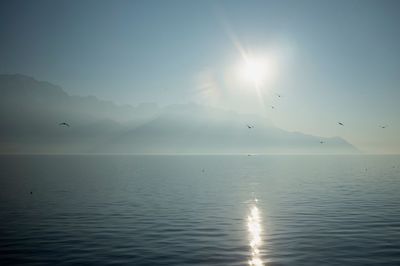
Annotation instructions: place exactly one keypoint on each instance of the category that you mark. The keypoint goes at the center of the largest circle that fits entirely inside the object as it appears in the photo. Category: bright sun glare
(257, 73)
(254, 70)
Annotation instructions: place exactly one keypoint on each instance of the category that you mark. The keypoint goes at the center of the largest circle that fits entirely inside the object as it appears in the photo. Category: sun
(254, 70)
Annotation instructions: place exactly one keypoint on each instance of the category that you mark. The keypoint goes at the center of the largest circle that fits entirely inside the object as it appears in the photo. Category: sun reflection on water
(254, 229)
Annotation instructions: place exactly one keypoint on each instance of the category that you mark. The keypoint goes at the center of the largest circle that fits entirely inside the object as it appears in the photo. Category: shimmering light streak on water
(254, 230)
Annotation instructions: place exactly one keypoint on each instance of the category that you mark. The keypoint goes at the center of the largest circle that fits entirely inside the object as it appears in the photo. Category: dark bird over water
(340, 123)
(64, 124)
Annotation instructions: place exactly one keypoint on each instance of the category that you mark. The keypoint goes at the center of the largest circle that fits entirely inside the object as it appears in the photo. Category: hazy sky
(333, 60)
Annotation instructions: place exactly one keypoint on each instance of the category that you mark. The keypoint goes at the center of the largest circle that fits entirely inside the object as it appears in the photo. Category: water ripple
(162, 210)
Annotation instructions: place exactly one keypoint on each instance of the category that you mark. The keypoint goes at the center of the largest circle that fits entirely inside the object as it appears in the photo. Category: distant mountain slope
(193, 130)
(31, 110)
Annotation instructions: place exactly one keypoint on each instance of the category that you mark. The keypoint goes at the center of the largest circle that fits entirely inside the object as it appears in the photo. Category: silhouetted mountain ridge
(31, 111)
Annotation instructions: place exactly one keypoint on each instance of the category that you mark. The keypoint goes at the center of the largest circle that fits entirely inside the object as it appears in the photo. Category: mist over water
(200, 210)
(213, 133)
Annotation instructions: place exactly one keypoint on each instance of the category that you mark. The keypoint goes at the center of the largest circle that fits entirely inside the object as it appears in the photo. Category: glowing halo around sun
(256, 70)
(256, 73)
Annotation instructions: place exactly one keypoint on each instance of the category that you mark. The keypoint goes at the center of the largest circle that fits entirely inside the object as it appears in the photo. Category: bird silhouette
(340, 123)
(249, 127)
(64, 124)
(279, 96)
(383, 126)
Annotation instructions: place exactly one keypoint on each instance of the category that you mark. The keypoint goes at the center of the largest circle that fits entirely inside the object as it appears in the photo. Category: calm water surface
(200, 210)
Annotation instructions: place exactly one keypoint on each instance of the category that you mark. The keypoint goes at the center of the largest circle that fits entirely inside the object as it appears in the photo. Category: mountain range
(31, 112)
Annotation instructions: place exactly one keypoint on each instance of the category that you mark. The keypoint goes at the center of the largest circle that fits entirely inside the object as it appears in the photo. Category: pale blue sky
(341, 58)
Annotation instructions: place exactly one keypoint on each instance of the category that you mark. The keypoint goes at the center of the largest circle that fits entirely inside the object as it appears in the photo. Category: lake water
(200, 210)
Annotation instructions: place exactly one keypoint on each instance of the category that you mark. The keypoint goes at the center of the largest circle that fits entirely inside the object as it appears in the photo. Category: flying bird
(64, 124)
(249, 127)
(279, 96)
(383, 126)
(340, 123)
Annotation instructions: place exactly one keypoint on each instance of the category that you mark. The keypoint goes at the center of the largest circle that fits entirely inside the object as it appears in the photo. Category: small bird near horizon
(340, 123)
(64, 124)
(249, 127)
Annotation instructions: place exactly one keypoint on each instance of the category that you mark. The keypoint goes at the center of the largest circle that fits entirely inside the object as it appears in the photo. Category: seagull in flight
(64, 124)
(340, 123)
